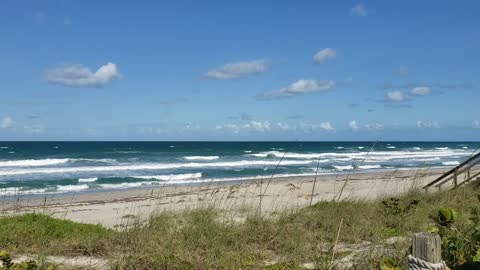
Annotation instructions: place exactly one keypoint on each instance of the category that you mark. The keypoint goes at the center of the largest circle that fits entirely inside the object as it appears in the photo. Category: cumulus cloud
(353, 125)
(237, 70)
(297, 88)
(80, 76)
(420, 91)
(326, 126)
(374, 126)
(283, 126)
(476, 124)
(359, 10)
(324, 54)
(395, 96)
(428, 124)
(258, 126)
(7, 122)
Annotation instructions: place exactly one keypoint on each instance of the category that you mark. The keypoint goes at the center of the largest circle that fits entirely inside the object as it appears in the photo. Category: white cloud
(476, 124)
(359, 10)
(403, 71)
(324, 54)
(374, 126)
(283, 126)
(237, 70)
(80, 76)
(7, 122)
(353, 125)
(299, 87)
(422, 124)
(258, 126)
(228, 127)
(395, 96)
(420, 91)
(326, 126)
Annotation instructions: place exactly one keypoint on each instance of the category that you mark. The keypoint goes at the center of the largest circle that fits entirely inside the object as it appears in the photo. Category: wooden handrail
(454, 170)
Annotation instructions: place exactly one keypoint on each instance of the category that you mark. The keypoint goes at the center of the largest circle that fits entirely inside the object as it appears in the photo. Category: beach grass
(208, 238)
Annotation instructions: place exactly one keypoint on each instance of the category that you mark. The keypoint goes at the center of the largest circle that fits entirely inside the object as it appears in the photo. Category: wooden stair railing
(453, 174)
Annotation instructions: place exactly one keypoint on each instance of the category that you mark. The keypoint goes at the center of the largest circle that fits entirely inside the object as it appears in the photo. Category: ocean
(38, 168)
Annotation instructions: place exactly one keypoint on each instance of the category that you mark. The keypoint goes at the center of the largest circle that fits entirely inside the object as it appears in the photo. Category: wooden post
(455, 177)
(468, 175)
(428, 247)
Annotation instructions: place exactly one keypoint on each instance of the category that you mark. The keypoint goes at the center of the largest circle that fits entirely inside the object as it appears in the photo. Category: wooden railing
(466, 169)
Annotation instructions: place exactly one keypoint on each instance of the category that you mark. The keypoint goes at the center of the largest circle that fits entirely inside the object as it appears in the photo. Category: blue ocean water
(65, 167)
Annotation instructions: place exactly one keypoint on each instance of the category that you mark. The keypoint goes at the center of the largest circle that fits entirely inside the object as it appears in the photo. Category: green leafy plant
(460, 248)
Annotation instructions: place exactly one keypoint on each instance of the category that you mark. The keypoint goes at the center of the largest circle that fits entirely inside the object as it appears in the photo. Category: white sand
(112, 208)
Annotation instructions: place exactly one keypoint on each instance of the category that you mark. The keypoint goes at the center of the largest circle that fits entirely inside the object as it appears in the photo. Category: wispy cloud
(237, 69)
(359, 10)
(326, 126)
(258, 126)
(7, 122)
(324, 54)
(396, 96)
(228, 127)
(374, 126)
(80, 76)
(427, 124)
(420, 91)
(298, 88)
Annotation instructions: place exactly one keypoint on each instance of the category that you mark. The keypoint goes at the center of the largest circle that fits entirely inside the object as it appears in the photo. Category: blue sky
(239, 70)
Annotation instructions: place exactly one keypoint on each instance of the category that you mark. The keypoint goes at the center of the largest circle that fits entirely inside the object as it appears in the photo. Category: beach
(266, 194)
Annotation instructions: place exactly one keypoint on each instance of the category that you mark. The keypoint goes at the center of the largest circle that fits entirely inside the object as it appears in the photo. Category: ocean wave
(201, 157)
(71, 188)
(87, 180)
(33, 162)
(369, 167)
(171, 177)
(4, 147)
(152, 166)
(374, 156)
(441, 148)
(50, 162)
(247, 151)
(417, 148)
(391, 147)
(343, 168)
(451, 163)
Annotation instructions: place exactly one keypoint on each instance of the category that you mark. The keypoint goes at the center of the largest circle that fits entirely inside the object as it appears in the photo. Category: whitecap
(441, 148)
(71, 188)
(451, 163)
(391, 147)
(87, 180)
(343, 168)
(153, 166)
(171, 177)
(369, 167)
(201, 157)
(33, 162)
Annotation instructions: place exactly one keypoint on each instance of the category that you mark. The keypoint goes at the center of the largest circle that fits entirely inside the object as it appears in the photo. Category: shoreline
(205, 182)
(112, 208)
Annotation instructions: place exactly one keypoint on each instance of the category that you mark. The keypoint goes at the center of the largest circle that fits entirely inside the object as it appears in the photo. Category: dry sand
(115, 207)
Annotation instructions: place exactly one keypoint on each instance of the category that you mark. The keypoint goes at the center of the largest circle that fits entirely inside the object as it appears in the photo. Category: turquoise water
(66, 167)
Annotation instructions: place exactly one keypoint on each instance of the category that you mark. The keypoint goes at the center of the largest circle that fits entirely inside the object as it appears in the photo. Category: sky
(239, 70)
